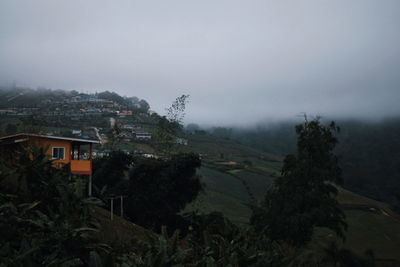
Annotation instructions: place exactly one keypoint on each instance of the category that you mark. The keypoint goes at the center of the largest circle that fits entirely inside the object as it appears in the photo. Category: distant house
(124, 113)
(62, 150)
(129, 127)
(181, 141)
(7, 112)
(150, 155)
(77, 132)
(143, 136)
(126, 136)
(101, 153)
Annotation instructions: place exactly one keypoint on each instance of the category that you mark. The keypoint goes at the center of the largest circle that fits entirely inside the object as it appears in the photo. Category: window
(58, 153)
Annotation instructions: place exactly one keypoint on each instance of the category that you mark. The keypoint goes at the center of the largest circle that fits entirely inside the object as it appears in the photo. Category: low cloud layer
(241, 61)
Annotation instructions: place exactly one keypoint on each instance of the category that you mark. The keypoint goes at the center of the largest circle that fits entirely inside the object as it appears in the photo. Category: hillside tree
(170, 126)
(159, 189)
(303, 197)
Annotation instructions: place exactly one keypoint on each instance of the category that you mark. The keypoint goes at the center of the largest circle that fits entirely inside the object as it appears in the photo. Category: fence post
(122, 206)
(90, 186)
(112, 209)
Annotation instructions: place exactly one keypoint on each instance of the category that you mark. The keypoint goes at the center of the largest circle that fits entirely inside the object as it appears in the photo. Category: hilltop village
(124, 123)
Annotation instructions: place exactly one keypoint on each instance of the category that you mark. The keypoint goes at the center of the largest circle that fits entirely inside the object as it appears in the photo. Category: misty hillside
(200, 133)
(369, 152)
(237, 165)
(25, 97)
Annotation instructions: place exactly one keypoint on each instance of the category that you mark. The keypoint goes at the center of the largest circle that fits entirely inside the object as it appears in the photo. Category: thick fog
(240, 61)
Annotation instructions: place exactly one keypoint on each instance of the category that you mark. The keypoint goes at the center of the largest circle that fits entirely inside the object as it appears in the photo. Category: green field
(209, 201)
(224, 183)
(368, 230)
(371, 224)
(257, 184)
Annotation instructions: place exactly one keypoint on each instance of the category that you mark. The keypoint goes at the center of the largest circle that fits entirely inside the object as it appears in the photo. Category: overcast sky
(240, 61)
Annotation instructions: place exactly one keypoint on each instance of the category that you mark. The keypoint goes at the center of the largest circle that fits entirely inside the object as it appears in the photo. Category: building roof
(25, 135)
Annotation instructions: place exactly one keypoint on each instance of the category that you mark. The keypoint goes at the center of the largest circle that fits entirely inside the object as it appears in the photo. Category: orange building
(63, 150)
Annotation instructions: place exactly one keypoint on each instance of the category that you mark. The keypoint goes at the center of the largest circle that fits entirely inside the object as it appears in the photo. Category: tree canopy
(158, 189)
(109, 172)
(303, 197)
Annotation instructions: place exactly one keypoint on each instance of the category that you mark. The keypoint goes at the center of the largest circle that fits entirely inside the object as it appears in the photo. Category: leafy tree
(109, 172)
(112, 96)
(176, 112)
(43, 221)
(32, 124)
(304, 196)
(159, 189)
(144, 106)
(166, 135)
(341, 257)
(170, 126)
(133, 99)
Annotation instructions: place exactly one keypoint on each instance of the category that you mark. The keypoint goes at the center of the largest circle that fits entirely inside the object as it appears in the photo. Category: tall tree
(176, 112)
(170, 126)
(159, 189)
(304, 196)
(109, 173)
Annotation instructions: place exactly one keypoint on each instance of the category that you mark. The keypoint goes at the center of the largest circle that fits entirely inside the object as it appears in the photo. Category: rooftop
(24, 135)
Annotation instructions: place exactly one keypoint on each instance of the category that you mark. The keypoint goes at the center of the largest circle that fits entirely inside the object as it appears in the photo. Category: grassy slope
(368, 230)
(377, 228)
(120, 230)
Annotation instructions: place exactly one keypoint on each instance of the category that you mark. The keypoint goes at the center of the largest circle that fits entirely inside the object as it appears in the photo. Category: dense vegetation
(303, 197)
(156, 190)
(368, 153)
(47, 221)
(43, 203)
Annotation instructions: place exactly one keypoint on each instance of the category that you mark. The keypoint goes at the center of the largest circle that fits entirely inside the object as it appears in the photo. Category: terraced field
(230, 188)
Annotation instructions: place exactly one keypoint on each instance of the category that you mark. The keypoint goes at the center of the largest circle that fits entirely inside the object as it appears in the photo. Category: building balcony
(81, 167)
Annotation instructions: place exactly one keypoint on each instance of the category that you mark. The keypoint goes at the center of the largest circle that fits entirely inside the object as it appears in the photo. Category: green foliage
(32, 124)
(42, 221)
(303, 197)
(144, 106)
(112, 96)
(369, 151)
(170, 126)
(109, 172)
(176, 112)
(192, 127)
(339, 257)
(215, 242)
(166, 135)
(158, 189)
(370, 156)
